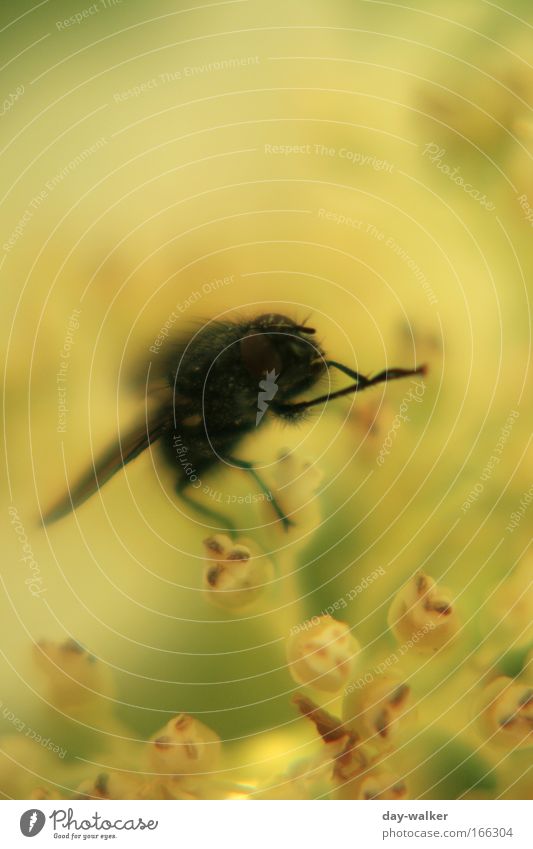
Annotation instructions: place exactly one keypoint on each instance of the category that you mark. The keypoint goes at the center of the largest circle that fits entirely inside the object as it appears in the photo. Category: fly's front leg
(247, 466)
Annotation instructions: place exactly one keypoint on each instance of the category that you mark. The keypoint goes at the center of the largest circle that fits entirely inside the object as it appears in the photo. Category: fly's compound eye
(259, 355)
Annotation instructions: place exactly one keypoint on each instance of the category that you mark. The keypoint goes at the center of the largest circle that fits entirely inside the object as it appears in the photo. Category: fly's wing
(107, 465)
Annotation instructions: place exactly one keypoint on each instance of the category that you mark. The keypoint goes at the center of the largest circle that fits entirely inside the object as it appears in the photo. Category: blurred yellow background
(239, 157)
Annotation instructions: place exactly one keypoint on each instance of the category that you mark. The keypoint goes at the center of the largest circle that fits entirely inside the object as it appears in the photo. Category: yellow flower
(322, 654)
(185, 746)
(234, 577)
(422, 615)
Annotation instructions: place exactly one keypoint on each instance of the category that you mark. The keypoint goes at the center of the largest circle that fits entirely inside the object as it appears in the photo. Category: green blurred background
(150, 149)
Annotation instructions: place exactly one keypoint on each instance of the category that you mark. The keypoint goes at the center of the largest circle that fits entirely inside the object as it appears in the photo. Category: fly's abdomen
(192, 455)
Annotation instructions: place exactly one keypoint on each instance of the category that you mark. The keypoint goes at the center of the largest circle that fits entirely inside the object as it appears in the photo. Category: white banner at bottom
(267, 824)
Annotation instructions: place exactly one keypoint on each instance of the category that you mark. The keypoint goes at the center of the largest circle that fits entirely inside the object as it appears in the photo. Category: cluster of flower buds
(422, 616)
(378, 710)
(179, 762)
(185, 746)
(357, 771)
(136, 785)
(322, 654)
(506, 713)
(74, 678)
(358, 774)
(234, 578)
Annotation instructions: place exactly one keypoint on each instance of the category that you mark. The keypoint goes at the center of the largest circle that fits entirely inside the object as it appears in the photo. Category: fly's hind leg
(249, 467)
(222, 521)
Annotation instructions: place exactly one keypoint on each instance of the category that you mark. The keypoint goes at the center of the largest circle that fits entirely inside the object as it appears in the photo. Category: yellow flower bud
(294, 484)
(378, 710)
(74, 678)
(184, 747)
(322, 654)
(421, 616)
(233, 578)
(507, 713)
